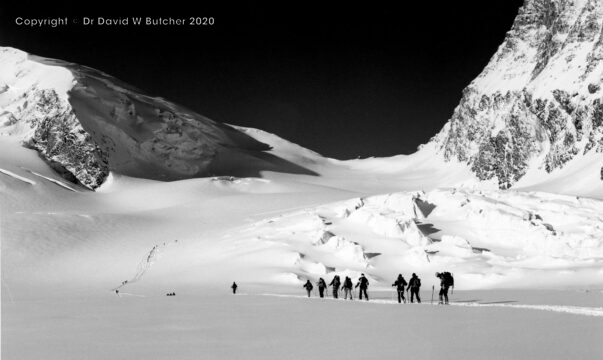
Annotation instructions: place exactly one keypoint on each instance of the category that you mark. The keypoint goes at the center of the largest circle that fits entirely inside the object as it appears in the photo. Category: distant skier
(234, 287)
(308, 285)
(414, 285)
(322, 285)
(446, 281)
(347, 288)
(363, 283)
(400, 284)
(335, 283)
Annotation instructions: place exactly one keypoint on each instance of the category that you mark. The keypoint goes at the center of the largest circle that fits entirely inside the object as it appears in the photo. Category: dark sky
(343, 80)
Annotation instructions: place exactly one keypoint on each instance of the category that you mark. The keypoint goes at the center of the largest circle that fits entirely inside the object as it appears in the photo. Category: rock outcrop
(538, 103)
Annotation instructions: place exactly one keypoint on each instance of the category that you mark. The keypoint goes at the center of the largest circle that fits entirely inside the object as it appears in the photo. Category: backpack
(417, 282)
(448, 279)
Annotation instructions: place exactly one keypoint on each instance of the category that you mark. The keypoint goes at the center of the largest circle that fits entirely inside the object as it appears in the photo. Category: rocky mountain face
(85, 123)
(538, 103)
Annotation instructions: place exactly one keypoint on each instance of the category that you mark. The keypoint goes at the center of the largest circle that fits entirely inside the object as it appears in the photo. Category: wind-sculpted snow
(487, 239)
(538, 103)
(17, 177)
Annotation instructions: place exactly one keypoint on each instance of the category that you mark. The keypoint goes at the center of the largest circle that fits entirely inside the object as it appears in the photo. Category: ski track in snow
(59, 183)
(18, 177)
(145, 264)
(120, 294)
(574, 310)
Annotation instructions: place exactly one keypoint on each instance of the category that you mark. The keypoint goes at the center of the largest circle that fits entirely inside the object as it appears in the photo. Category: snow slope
(87, 123)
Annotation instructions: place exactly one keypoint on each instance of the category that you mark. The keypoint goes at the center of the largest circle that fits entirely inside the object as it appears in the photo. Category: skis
(432, 291)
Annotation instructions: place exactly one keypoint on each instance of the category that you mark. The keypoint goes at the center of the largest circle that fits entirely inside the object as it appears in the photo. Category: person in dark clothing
(400, 284)
(446, 281)
(322, 285)
(414, 285)
(363, 283)
(335, 283)
(234, 287)
(308, 285)
(347, 288)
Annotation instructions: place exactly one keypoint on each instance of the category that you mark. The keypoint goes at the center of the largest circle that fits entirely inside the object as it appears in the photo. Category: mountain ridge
(86, 123)
(538, 102)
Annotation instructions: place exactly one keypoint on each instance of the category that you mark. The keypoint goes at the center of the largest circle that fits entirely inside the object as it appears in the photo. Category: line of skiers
(414, 285)
(347, 286)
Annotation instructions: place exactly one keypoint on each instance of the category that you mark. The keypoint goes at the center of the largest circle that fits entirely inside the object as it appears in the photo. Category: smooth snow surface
(212, 325)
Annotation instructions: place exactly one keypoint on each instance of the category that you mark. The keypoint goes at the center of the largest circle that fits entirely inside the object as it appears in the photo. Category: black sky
(346, 81)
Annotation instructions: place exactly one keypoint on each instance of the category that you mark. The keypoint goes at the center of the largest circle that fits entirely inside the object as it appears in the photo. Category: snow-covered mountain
(86, 123)
(538, 104)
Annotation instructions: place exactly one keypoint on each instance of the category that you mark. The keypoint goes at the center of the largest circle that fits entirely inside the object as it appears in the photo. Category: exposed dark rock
(519, 110)
(62, 141)
(593, 88)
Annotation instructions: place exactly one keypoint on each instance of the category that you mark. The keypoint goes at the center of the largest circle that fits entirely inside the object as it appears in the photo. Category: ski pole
(432, 291)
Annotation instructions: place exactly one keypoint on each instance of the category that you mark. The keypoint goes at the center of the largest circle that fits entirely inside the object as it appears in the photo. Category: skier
(234, 287)
(414, 285)
(400, 284)
(347, 288)
(446, 281)
(309, 287)
(322, 285)
(335, 283)
(363, 283)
